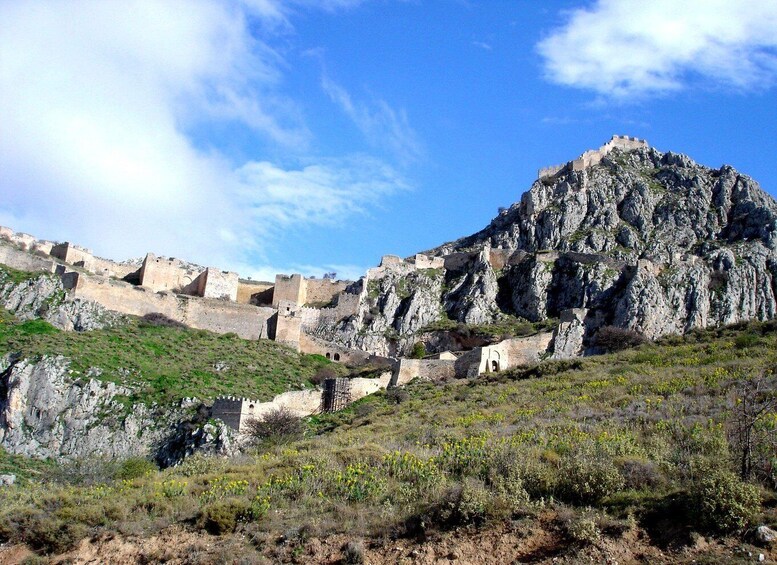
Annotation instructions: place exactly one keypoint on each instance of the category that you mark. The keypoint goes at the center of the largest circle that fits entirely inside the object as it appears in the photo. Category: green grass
(11, 275)
(26, 470)
(164, 364)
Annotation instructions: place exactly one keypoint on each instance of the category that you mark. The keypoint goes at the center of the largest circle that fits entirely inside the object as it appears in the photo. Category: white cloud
(382, 125)
(97, 102)
(630, 47)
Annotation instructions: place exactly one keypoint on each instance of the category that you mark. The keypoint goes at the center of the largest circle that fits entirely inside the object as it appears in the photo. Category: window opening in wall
(337, 356)
(328, 355)
(495, 366)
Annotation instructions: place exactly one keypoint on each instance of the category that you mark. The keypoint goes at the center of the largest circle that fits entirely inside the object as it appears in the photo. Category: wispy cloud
(382, 125)
(483, 45)
(624, 48)
(97, 102)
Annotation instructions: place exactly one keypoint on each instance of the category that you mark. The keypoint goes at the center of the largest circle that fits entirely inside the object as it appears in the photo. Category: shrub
(639, 473)
(353, 553)
(160, 320)
(276, 426)
(583, 480)
(323, 374)
(135, 467)
(722, 502)
(745, 340)
(612, 338)
(396, 395)
(222, 517)
(419, 350)
(580, 526)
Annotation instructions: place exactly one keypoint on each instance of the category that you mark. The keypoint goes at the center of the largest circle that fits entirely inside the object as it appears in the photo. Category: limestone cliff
(641, 239)
(45, 412)
(43, 296)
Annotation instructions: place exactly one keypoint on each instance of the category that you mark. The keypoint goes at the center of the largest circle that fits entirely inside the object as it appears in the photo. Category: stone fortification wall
(323, 291)
(221, 285)
(288, 325)
(313, 345)
(395, 264)
(299, 290)
(249, 322)
(346, 304)
(237, 412)
(427, 369)
(15, 258)
(504, 355)
(73, 254)
(594, 156)
(426, 262)
(162, 273)
(257, 293)
(290, 288)
(81, 257)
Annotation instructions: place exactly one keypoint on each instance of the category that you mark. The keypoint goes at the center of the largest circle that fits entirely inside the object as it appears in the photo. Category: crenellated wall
(594, 156)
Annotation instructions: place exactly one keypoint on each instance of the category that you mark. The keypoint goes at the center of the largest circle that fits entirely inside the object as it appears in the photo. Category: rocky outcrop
(643, 240)
(44, 297)
(45, 412)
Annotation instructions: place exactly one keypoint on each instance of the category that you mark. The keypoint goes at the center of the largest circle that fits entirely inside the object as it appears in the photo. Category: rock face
(642, 240)
(44, 297)
(44, 412)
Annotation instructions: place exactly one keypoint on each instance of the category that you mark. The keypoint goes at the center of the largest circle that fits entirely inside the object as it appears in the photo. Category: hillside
(631, 456)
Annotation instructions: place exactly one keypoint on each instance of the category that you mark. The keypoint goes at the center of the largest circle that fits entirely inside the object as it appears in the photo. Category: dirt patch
(533, 540)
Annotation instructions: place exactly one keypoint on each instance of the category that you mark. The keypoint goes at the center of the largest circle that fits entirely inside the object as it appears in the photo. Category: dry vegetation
(648, 440)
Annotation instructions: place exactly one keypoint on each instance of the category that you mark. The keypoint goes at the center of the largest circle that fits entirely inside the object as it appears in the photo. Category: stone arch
(337, 356)
(328, 355)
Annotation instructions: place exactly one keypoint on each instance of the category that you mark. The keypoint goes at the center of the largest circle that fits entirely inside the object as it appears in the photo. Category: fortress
(594, 156)
(292, 309)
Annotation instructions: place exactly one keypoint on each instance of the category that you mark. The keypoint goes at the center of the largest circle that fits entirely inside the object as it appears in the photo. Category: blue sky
(273, 136)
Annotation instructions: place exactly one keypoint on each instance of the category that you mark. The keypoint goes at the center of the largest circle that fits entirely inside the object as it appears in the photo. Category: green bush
(222, 517)
(722, 502)
(419, 350)
(135, 467)
(584, 480)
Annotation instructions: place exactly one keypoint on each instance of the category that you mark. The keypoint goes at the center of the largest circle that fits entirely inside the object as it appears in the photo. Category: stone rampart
(288, 325)
(249, 322)
(504, 355)
(594, 156)
(162, 273)
(354, 357)
(257, 293)
(426, 262)
(15, 258)
(323, 291)
(290, 288)
(221, 285)
(427, 369)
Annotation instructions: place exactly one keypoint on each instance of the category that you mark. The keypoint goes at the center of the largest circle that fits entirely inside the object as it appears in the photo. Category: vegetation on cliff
(166, 362)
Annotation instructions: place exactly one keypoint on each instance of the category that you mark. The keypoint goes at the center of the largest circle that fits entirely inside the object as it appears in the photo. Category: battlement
(594, 156)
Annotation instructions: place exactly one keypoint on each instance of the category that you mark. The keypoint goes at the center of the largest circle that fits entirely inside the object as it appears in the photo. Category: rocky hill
(641, 239)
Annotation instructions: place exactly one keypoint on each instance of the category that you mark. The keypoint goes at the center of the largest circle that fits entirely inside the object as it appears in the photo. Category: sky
(279, 136)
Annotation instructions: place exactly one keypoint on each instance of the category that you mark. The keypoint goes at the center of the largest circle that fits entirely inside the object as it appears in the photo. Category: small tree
(277, 426)
(613, 338)
(752, 400)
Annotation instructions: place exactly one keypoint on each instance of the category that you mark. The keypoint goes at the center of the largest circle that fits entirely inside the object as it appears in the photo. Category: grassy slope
(623, 435)
(164, 363)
